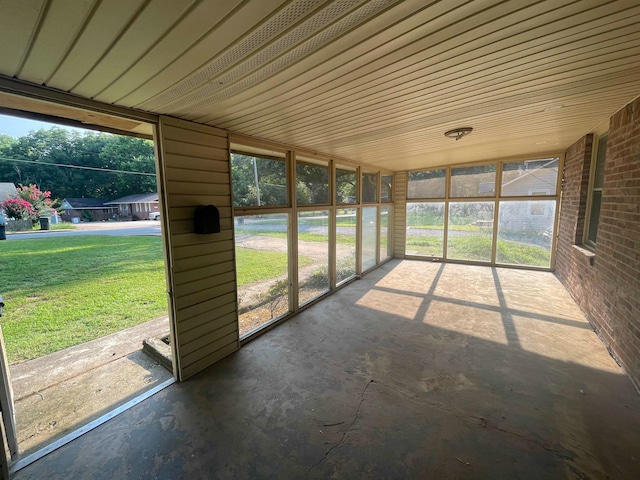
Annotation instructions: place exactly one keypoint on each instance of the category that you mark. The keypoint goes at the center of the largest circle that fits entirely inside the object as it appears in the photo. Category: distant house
(136, 207)
(539, 177)
(75, 210)
(7, 190)
(526, 182)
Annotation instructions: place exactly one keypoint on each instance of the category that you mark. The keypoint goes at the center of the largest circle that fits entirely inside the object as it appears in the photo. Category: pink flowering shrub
(39, 200)
(17, 208)
(28, 203)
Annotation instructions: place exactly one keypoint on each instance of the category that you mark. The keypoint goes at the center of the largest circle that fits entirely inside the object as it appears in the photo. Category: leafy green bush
(319, 278)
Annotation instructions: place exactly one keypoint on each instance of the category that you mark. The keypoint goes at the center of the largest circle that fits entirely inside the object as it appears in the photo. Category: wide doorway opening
(82, 274)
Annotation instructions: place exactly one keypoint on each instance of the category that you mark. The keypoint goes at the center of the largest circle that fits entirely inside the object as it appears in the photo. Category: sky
(19, 127)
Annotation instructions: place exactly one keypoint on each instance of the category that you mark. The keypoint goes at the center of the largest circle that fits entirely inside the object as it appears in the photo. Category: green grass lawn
(55, 226)
(341, 221)
(305, 237)
(479, 249)
(517, 253)
(461, 228)
(64, 291)
(255, 265)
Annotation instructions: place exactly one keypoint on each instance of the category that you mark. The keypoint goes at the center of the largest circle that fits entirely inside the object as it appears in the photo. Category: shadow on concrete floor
(60, 392)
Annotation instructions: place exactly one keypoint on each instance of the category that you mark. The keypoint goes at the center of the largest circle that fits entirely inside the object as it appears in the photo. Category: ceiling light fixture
(458, 133)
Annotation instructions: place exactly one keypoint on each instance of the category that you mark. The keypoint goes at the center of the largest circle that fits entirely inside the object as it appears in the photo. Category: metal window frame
(293, 156)
(497, 198)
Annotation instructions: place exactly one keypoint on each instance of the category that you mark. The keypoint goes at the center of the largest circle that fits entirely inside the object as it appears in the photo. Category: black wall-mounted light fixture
(206, 220)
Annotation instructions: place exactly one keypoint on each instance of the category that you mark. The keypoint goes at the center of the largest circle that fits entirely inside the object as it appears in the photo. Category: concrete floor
(419, 370)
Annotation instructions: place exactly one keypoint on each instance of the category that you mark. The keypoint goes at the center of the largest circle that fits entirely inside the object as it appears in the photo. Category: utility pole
(255, 174)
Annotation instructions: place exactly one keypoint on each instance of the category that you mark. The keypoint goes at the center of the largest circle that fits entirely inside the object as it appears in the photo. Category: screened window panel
(369, 187)
(477, 181)
(262, 269)
(312, 184)
(427, 184)
(369, 237)
(313, 254)
(386, 192)
(530, 178)
(525, 238)
(385, 233)
(258, 181)
(346, 186)
(425, 229)
(345, 244)
(470, 231)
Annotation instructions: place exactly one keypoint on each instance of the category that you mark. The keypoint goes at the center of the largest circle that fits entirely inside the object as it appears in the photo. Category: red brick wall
(609, 290)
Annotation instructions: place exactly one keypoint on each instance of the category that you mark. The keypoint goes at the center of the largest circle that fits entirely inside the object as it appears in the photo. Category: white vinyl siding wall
(202, 279)
(399, 214)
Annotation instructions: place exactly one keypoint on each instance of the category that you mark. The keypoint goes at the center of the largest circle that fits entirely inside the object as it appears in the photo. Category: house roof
(138, 198)
(83, 203)
(6, 190)
(550, 163)
(376, 81)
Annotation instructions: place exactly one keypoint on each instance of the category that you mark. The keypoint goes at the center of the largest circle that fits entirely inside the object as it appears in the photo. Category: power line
(79, 167)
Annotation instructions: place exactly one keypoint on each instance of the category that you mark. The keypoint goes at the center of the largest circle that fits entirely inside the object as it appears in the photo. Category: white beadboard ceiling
(375, 81)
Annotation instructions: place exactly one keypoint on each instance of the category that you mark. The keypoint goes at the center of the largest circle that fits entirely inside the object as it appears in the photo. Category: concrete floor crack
(482, 422)
(568, 455)
(556, 452)
(344, 434)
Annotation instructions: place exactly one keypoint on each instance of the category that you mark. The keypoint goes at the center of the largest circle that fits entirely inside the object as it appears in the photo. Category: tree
(312, 183)
(55, 145)
(33, 153)
(258, 181)
(346, 186)
(6, 141)
(132, 155)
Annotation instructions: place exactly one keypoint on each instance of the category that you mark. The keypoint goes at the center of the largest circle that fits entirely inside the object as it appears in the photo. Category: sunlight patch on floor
(405, 306)
(476, 322)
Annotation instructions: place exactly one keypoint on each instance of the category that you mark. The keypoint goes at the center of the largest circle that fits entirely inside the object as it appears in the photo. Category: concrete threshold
(60, 392)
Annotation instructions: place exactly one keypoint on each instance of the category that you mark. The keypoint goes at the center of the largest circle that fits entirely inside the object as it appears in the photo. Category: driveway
(142, 227)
